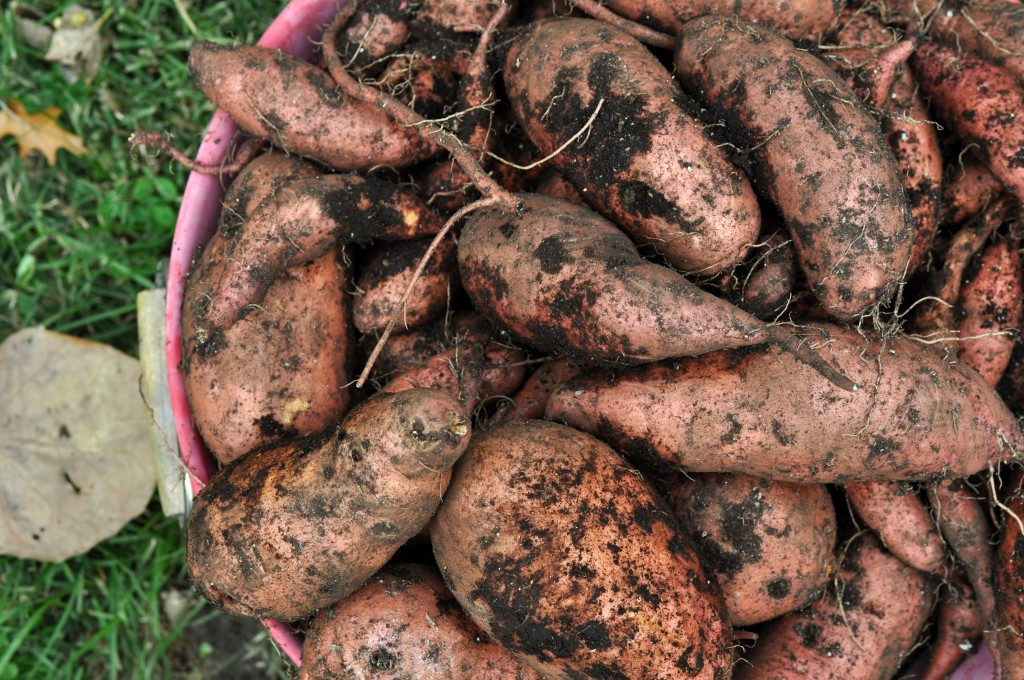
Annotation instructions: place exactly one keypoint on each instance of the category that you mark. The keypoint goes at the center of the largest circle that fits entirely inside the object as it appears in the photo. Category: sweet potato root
(861, 632)
(294, 527)
(568, 282)
(992, 311)
(559, 550)
(403, 624)
(918, 416)
(852, 230)
(296, 107)
(902, 522)
(769, 543)
(645, 162)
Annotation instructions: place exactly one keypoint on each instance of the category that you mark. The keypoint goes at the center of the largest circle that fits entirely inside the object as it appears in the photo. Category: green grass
(77, 243)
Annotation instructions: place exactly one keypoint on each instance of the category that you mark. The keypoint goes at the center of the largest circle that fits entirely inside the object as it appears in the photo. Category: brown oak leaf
(38, 131)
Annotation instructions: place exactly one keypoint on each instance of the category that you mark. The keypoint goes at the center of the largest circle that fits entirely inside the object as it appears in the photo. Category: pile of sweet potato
(694, 360)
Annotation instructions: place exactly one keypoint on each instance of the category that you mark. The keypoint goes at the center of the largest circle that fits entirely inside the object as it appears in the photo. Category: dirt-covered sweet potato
(991, 303)
(917, 415)
(426, 85)
(386, 276)
(769, 543)
(980, 102)
(302, 220)
(297, 107)
(1009, 581)
(958, 631)
(862, 631)
(1011, 387)
(403, 624)
(566, 281)
(260, 178)
(901, 520)
(796, 19)
(766, 289)
(993, 30)
(532, 399)
(969, 187)
(279, 372)
(295, 526)
(564, 555)
(645, 162)
(852, 230)
(378, 28)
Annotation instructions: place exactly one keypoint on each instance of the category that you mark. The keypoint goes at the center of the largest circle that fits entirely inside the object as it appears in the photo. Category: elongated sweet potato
(297, 107)
(563, 554)
(770, 544)
(403, 624)
(992, 30)
(294, 527)
(901, 520)
(852, 230)
(1009, 583)
(386, 276)
(981, 102)
(958, 631)
(531, 401)
(568, 282)
(969, 187)
(992, 310)
(645, 162)
(862, 632)
(767, 288)
(260, 178)
(918, 416)
(280, 372)
(300, 222)
(801, 19)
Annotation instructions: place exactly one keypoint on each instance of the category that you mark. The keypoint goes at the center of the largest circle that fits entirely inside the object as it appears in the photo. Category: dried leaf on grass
(74, 444)
(38, 131)
(77, 44)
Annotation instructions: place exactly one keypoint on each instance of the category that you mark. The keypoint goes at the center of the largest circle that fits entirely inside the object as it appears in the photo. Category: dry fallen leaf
(38, 131)
(74, 444)
(76, 43)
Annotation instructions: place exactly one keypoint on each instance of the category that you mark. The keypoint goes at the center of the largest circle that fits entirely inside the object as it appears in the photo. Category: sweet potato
(563, 554)
(645, 162)
(969, 187)
(553, 184)
(294, 527)
(386, 276)
(958, 631)
(260, 178)
(403, 624)
(901, 520)
(800, 19)
(861, 632)
(992, 30)
(300, 222)
(767, 288)
(981, 102)
(852, 230)
(992, 311)
(916, 417)
(1009, 583)
(378, 28)
(532, 399)
(770, 544)
(297, 107)
(280, 372)
(962, 520)
(566, 281)
(1011, 387)
(426, 85)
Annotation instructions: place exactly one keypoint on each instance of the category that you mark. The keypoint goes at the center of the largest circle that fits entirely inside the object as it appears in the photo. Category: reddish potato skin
(563, 554)
(969, 188)
(566, 281)
(885, 604)
(1011, 387)
(553, 184)
(533, 398)
(1009, 584)
(403, 624)
(902, 522)
(426, 85)
(769, 543)
(992, 303)
(958, 631)
(991, 30)
(280, 372)
(646, 164)
(800, 19)
(386, 277)
(293, 527)
(852, 230)
(378, 28)
(980, 101)
(723, 412)
(301, 221)
(768, 289)
(260, 178)
(297, 107)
